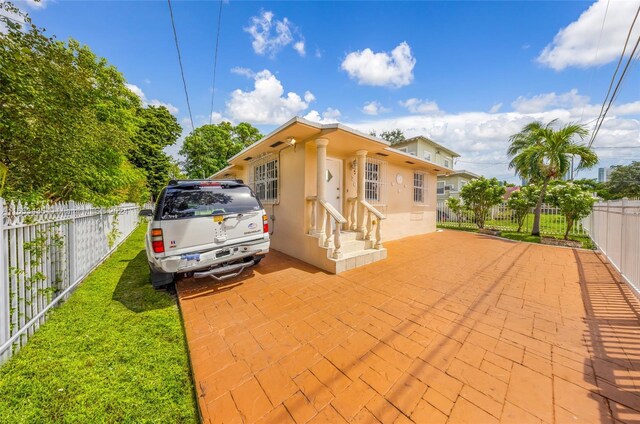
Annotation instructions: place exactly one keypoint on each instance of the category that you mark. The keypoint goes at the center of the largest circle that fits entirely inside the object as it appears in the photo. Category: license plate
(223, 253)
(218, 218)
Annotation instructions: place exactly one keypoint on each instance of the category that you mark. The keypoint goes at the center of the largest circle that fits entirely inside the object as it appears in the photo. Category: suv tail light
(265, 224)
(157, 241)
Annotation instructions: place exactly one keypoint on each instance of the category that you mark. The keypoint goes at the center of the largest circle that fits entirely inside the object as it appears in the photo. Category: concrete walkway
(453, 327)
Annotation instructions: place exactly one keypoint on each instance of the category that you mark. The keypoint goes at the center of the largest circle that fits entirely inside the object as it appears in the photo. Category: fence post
(5, 301)
(622, 233)
(72, 243)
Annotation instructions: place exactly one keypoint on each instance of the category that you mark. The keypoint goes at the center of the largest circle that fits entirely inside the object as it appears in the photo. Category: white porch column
(361, 161)
(321, 188)
(321, 146)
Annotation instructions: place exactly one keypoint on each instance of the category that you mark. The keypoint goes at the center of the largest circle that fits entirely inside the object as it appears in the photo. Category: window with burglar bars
(374, 181)
(264, 178)
(418, 188)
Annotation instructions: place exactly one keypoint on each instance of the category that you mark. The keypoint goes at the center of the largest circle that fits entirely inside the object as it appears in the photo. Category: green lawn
(550, 224)
(114, 352)
(523, 236)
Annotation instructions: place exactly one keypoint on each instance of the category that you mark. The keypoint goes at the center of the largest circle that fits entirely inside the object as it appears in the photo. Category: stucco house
(334, 194)
(429, 150)
(449, 185)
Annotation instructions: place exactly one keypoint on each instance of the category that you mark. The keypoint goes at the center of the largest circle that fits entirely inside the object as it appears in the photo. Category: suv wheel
(160, 279)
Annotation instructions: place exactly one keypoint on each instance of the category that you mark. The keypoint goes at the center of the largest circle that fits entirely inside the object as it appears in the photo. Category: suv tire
(160, 279)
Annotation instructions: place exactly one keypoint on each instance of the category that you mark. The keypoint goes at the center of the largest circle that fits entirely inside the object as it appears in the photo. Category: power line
(616, 147)
(595, 59)
(215, 65)
(184, 81)
(603, 113)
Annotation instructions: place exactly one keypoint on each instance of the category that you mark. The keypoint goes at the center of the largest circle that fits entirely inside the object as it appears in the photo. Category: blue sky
(467, 74)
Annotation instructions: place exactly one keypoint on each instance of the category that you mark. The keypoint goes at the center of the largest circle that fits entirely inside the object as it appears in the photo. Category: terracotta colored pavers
(453, 327)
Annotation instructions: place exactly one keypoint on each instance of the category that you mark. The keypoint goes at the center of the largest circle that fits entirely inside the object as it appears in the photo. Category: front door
(334, 183)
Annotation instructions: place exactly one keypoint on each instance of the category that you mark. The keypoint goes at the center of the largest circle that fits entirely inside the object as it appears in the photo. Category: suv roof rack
(194, 182)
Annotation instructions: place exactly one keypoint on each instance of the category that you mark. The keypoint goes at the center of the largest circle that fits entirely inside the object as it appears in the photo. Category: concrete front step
(354, 252)
(359, 258)
(354, 246)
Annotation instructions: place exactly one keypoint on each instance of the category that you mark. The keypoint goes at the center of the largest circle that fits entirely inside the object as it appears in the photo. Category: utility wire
(215, 65)
(602, 114)
(184, 81)
(632, 58)
(595, 59)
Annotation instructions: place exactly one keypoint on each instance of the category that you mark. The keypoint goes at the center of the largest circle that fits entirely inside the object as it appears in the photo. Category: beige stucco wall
(298, 181)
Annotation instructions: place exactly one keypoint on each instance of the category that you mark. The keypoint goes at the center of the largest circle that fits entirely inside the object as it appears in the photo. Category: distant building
(604, 174)
(451, 184)
(427, 149)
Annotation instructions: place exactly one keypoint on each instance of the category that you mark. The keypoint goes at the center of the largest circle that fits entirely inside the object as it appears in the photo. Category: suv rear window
(198, 201)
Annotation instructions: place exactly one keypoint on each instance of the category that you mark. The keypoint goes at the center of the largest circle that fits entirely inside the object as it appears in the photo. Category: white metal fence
(45, 253)
(614, 227)
(552, 221)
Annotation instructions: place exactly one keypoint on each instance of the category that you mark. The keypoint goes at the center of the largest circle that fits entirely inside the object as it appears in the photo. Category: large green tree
(207, 148)
(540, 153)
(66, 121)
(158, 129)
(480, 195)
(573, 200)
(624, 181)
(393, 136)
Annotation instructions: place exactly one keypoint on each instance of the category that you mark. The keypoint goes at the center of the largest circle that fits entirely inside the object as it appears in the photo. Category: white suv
(205, 228)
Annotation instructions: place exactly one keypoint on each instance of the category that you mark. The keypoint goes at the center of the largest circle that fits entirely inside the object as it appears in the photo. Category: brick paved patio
(453, 327)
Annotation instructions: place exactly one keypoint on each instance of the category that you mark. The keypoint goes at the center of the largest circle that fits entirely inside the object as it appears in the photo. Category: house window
(418, 188)
(264, 179)
(440, 187)
(374, 181)
(446, 163)
(427, 156)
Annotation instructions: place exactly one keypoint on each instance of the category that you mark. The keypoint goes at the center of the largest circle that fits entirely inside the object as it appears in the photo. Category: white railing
(45, 254)
(328, 216)
(552, 221)
(614, 227)
(372, 218)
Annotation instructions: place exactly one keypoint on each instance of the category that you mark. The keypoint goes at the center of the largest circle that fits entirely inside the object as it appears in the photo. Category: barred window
(264, 179)
(418, 188)
(374, 181)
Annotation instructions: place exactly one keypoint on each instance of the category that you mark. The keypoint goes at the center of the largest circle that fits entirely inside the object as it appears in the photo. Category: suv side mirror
(145, 212)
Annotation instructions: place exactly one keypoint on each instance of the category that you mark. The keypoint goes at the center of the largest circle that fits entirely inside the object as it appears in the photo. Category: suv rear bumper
(198, 261)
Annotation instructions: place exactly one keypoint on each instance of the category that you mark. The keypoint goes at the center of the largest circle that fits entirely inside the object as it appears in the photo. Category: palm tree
(540, 154)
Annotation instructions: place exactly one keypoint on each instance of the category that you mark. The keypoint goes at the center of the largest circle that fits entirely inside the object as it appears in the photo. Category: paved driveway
(452, 327)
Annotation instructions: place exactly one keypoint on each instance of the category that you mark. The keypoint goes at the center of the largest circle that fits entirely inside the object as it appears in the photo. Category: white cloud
(393, 69)
(32, 4)
(577, 44)
(426, 107)
(542, 102)
(267, 103)
(318, 54)
(245, 72)
(270, 35)
(495, 108)
(329, 116)
(374, 108)
(482, 138)
(299, 47)
(154, 102)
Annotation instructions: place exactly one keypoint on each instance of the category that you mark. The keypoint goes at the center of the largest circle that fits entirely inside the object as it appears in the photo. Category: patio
(452, 327)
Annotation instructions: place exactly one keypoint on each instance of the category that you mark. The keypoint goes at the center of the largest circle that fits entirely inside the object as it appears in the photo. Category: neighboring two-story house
(449, 185)
(427, 149)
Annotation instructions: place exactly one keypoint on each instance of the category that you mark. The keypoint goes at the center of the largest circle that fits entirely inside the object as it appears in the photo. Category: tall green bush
(480, 195)
(573, 201)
